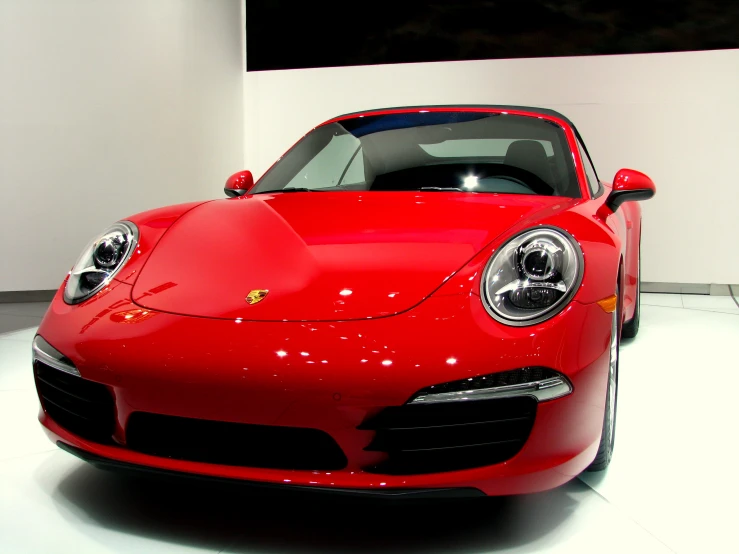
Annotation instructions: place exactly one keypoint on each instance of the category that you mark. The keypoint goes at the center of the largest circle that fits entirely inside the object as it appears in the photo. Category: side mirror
(629, 185)
(238, 184)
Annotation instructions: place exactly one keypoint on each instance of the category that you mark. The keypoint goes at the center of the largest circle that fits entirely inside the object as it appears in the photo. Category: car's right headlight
(532, 277)
(100, 261)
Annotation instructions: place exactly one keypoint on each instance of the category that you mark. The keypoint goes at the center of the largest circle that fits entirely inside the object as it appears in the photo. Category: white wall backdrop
(108, 108)
(673, 116)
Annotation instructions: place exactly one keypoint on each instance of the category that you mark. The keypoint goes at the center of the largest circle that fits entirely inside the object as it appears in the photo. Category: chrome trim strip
(546, 389)
(525, 284)
(47, 354)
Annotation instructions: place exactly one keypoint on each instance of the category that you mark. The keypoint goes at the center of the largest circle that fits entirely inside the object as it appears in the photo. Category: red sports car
(411, 301)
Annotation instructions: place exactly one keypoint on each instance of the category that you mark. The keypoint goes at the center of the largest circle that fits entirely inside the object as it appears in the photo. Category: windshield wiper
(290, 189)
(443, 189)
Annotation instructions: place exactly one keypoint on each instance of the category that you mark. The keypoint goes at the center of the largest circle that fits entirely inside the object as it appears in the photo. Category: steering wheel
(521, 177)
(514, 180)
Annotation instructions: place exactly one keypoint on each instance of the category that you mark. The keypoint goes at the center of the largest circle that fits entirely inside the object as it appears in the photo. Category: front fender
(601, 249)
(152, 225)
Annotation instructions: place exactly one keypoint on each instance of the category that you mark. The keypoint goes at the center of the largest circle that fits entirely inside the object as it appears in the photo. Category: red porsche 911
(419, 301)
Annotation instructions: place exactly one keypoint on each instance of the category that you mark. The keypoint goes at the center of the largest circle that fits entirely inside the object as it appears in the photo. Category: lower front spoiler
(423, 494)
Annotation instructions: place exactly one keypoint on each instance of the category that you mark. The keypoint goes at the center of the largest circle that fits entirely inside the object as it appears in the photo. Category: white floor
(672, 485)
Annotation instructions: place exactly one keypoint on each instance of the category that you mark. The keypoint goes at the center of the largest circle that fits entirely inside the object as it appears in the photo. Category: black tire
(631, 327)
(608, 435)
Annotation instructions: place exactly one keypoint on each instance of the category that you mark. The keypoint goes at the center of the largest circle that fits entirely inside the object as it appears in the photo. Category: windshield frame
(567, 127)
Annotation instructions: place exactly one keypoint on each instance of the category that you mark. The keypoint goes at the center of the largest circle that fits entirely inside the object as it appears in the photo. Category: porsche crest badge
(256, 296)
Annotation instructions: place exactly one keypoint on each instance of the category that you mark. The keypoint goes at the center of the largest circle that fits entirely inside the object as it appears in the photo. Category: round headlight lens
(532, 276)
(540, 259)
(109, 250)
(100, 261)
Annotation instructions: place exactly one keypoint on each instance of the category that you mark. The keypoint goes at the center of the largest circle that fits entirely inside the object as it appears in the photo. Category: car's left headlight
(100, 261)
(532, 276)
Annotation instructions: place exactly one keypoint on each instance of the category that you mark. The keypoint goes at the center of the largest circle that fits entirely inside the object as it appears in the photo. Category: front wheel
(605, 450)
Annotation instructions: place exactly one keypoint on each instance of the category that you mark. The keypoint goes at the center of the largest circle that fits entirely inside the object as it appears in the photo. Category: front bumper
(423, 494)
(332, 376)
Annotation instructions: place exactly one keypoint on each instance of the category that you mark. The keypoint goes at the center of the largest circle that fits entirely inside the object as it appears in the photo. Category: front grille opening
(235, 444)
(431, 438)
(82, 407)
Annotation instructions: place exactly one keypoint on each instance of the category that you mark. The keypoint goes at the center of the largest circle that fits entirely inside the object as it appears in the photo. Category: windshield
(466, 151)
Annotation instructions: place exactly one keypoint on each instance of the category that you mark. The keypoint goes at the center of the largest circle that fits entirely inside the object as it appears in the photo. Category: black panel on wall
(285, 34)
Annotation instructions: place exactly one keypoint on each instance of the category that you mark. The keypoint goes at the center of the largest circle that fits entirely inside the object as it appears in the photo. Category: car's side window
(595, 187)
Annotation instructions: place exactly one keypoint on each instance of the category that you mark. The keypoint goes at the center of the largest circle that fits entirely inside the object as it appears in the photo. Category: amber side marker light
(609, 304)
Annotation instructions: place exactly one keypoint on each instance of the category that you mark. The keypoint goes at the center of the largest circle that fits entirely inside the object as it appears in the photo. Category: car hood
(323, 256)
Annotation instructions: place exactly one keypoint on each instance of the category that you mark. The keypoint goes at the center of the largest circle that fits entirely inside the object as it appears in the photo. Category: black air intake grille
(82, 407)
(430, 438)
(235, 444)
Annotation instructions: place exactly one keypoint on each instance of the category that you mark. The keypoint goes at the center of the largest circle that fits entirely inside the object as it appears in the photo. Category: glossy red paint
(632, 181)
(624, 217)
(152, 226)
(232, 371)
(627, 221)
(173, 334)
(239, 183)
(336, 251)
